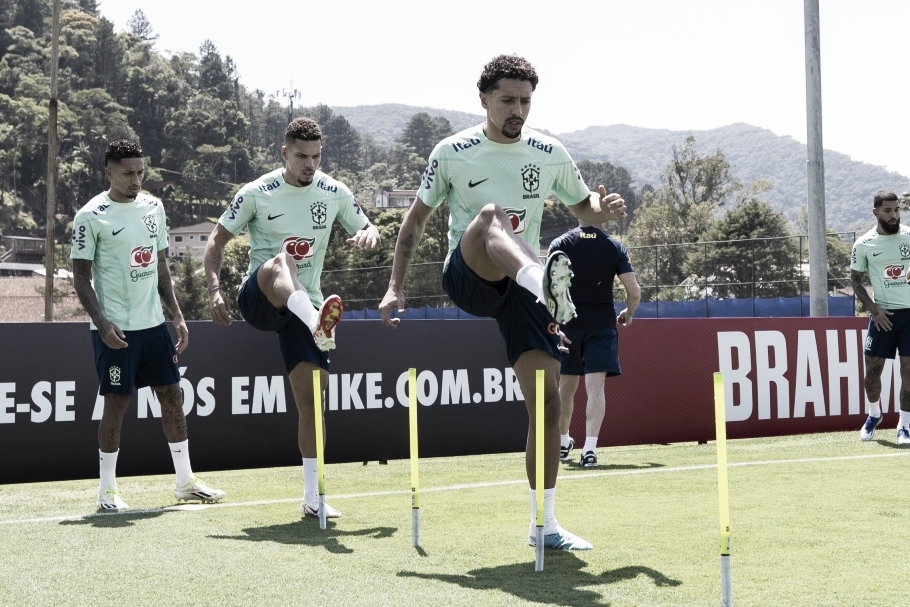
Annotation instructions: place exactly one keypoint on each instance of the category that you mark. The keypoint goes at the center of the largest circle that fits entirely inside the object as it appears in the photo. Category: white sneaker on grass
(194, 490)
(313, 510)
(109, 501)
(559, 539)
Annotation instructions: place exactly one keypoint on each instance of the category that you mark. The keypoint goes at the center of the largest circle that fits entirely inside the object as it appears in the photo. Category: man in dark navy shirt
(597, 258)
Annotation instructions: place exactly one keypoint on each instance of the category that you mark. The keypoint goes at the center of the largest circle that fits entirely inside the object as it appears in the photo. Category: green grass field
(817, 519)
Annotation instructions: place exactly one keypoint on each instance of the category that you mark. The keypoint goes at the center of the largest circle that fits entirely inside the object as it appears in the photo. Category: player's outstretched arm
(212, 260)
(409, 235)
(600, 207)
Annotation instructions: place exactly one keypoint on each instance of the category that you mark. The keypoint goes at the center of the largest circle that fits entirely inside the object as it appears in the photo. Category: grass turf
(815, 520)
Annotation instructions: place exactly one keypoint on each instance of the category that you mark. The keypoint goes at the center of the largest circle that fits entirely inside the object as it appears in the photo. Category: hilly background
(753, 152)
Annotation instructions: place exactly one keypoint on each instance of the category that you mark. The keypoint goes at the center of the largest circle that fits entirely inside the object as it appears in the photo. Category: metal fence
(757, 268)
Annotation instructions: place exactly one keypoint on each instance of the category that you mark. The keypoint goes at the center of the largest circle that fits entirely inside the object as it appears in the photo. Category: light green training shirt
(122, 240)
(885, 258)
(471, 171)
(283, 217)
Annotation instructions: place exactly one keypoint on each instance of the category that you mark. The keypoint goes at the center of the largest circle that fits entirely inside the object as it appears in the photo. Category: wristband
(213, 289)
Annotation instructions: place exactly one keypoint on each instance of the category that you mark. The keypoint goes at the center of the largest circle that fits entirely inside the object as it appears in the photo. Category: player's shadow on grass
(306, 534)
(562, 581)
(893, 444)
(115, 519)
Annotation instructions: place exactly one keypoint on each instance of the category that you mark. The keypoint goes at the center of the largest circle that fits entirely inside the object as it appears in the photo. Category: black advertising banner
(239, 406)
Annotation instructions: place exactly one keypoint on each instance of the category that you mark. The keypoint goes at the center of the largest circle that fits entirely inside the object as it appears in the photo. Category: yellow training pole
(723, 490)
(415, 481)
(320, 459)
(539, 468)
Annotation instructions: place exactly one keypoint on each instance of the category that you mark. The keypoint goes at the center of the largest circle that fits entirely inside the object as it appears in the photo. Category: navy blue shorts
(149, 359)
(884, 344)
(524, 323)
(592, 351)
(294, 337)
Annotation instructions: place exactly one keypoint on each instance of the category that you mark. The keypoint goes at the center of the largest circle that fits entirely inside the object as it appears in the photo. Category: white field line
(563, 477)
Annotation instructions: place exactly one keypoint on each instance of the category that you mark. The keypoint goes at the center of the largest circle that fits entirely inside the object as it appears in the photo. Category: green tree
(423, 132)
(748, 253)
(141, 27)
(190, 287)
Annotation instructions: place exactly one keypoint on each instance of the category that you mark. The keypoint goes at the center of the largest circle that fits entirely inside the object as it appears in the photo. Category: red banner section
(782, 376)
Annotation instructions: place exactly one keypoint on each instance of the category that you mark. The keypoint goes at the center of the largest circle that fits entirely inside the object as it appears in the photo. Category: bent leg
(526, 371)
(277, 279)
(490, 247)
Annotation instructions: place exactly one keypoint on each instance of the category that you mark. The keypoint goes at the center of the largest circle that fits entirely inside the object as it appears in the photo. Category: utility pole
(290, 95)
(815, 166)
(51, 170)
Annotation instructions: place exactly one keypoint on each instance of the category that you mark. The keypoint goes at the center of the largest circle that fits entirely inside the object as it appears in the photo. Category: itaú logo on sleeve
(141, 257)
(517, 218)
(298, 247)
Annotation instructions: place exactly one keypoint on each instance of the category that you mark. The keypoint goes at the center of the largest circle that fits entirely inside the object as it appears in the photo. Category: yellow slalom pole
(415, 481)
(320, 458)
(723, 490)
(539, 468)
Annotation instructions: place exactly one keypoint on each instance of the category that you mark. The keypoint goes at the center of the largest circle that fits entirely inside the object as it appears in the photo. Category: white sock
(875, 409)
(108, 467)
(299, 303)
(904, 420)
(590, 444)
(310, 481)
(563, 440)
(549, 519)
(531, 278)
(180, 453)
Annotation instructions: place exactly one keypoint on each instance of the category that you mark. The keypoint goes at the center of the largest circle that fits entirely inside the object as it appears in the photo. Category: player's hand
(563, 341)
(111, 335)
(183, 335)
(221, 311)
(392, 299)
(880, 318)
(624, 318)
(367, 238)
(612, 205)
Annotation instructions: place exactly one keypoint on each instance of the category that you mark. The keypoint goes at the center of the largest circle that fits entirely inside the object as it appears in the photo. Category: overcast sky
(664, 64)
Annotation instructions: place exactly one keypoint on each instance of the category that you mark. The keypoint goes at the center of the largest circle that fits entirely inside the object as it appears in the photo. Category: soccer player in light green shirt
(883, 254)
(289, 214)
(495, 177)
(120, 273)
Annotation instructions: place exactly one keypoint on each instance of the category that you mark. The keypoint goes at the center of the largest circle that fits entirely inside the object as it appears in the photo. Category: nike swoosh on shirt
(472, 184)
(115, 232)
(271, 217)
(877, 254)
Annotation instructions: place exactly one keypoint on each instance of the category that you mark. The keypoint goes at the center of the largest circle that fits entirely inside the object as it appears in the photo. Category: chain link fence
(753, 269)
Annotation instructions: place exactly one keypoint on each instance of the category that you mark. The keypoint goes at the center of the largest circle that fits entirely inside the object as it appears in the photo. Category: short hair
(120, 149)
(302, 129)
(883, 196)
(506, 66)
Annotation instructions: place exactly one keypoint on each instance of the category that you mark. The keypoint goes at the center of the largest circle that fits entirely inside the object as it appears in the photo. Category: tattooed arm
(412, 226)
(169, 300)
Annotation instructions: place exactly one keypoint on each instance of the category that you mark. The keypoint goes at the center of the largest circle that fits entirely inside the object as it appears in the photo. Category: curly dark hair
(506, 66)
(883, 196)
(302, 129)
(120, 149)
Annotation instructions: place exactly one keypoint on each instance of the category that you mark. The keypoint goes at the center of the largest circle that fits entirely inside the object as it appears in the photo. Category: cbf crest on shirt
(294, 219)
(122, 240)
(472, 171)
